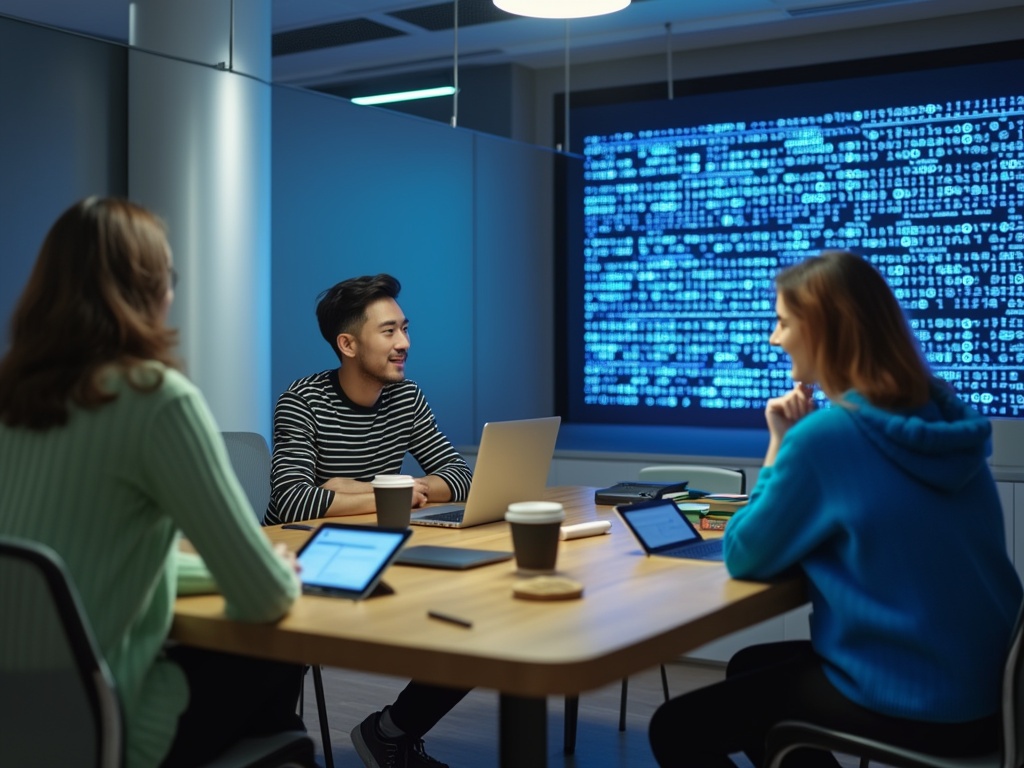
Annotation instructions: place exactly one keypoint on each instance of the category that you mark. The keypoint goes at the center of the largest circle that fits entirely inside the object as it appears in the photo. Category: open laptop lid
(512, 465)
(345, 560)
(659, 525)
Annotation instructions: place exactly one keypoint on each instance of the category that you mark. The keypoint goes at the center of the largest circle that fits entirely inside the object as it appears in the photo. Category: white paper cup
(393, 497)
(535, 526)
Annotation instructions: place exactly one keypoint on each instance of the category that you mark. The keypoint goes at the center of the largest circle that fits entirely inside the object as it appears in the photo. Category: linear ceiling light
(561, 9)
(390, 98)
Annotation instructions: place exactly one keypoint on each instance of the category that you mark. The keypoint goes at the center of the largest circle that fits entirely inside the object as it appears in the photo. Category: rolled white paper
(580, 530)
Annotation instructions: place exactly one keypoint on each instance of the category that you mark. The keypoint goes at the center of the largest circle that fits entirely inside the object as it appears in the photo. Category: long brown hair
(857, 333)
(96, 296)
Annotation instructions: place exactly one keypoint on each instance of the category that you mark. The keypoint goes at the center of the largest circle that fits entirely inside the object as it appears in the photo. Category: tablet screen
(348, 560)
(661, 525)
(658, 524)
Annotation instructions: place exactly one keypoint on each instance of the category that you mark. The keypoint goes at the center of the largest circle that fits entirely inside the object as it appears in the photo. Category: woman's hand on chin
(782, 413)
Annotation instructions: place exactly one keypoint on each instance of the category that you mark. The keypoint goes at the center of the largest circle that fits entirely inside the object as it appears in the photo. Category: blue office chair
(53, 676)
(250, 458)
(791, 734)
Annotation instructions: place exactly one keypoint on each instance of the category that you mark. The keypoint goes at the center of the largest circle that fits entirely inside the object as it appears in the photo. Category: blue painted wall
(460, 218)
(63, 136)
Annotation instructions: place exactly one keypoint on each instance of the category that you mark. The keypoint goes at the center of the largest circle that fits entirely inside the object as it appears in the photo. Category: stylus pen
(451, 619)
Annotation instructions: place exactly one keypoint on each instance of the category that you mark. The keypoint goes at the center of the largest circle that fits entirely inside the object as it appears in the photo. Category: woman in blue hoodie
(885, 503)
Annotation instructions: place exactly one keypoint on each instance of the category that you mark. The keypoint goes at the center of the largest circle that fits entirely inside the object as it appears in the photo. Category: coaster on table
(547, 588)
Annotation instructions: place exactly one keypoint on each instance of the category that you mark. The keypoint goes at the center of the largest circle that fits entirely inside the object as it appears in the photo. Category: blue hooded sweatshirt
(895, 521)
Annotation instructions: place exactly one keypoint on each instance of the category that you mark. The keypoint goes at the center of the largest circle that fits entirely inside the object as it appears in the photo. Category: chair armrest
(789, 735)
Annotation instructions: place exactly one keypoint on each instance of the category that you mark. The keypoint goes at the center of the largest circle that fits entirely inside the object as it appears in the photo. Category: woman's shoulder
(831, 419)
(148, 379)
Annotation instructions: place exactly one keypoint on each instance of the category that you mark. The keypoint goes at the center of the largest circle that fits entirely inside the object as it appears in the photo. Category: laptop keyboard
(711, 548)
(454, 516)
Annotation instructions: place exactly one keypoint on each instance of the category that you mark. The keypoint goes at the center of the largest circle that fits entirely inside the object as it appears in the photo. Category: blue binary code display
(685, 227)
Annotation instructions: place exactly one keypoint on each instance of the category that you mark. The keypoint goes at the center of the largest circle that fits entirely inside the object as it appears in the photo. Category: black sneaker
(376, 751)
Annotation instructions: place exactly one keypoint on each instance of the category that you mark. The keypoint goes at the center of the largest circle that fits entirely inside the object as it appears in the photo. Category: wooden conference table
(635, 612)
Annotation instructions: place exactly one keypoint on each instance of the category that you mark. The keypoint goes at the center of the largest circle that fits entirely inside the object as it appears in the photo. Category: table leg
(321, 708)
(523, 732)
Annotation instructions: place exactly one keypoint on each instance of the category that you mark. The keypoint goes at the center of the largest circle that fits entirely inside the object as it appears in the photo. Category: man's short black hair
(342, 308)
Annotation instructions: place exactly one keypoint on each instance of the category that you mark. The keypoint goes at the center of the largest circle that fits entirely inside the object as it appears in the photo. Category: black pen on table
(449, 618)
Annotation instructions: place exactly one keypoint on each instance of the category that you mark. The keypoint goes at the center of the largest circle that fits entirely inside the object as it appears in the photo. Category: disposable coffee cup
(535, 526)
(393, 496)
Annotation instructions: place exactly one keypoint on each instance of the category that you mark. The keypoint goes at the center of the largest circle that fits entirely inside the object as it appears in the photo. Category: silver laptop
(512, 465)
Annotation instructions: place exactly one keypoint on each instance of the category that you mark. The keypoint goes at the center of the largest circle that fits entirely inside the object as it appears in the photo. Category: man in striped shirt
(335, 430)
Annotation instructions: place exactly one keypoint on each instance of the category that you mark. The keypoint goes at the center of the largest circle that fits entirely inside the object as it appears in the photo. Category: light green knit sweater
(111, 492)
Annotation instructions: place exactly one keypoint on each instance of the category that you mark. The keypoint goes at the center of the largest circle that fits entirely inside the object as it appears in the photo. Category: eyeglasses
(174, 277)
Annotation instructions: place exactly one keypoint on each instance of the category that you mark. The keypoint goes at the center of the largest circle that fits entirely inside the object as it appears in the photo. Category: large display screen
(681, 212)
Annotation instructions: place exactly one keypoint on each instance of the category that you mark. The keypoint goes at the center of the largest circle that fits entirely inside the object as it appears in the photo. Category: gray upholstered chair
(250, 458)
(704, 478)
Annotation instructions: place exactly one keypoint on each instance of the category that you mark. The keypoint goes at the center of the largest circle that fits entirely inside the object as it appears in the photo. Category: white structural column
(199, 155)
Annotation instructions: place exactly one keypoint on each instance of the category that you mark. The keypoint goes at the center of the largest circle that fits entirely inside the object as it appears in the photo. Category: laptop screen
(659, 523)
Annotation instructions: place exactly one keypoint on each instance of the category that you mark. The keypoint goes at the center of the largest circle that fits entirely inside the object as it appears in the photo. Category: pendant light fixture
(561, 9)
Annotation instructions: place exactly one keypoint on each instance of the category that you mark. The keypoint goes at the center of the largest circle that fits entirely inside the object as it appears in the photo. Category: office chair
(250, 458)
(58, 701)
(791, 734)
(710, 479)
(699, 476)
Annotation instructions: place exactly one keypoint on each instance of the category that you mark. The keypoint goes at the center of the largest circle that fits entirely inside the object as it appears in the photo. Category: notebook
(630, 492)
(662, 529)
(512, 465)
(345, 560)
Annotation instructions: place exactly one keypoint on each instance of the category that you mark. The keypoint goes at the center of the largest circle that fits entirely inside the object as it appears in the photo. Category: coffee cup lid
(535, 512)
(392, 481)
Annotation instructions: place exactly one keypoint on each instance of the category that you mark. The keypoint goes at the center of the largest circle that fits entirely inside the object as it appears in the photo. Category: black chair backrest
(58, 703)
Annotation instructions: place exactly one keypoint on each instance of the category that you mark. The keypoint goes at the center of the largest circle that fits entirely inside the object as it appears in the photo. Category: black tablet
(344, 560)
(451, 558)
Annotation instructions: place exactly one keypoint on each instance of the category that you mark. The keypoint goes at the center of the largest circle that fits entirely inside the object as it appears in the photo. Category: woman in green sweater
(107, 454)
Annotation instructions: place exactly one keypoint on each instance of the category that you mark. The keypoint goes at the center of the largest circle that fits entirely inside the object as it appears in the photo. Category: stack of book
(720, 508)
(714, 521)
